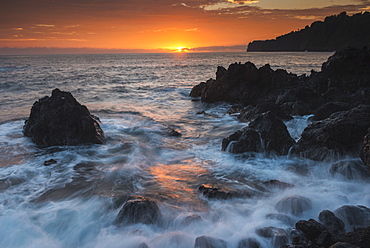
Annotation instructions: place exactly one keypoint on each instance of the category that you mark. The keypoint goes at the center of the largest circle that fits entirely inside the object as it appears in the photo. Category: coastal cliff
(335, 33)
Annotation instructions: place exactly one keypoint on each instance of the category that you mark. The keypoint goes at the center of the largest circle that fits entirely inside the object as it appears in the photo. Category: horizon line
(92, 50)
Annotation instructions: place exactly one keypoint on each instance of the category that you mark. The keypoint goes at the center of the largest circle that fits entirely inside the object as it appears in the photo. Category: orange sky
(153, 24)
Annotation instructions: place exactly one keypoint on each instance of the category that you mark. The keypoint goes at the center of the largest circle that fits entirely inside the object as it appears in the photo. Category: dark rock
(359, 237)
(311, 228)
(188, 220)
(329, 108)
(250, 112)
(324, 239)
(338, 135)
(343, 245)
(265, 133)
(278, 236)
(214, 192)
(196, 91)
(50, 162)
(276, 184)
(249, 243)
(351, 169)
(332, 223)
(273, 132)
(61, 120)
(236, 108)
(245, 84)
(353, 216)
(139, 209)
(245, 140)
(295, 205)
(209, 242)
(365, 152)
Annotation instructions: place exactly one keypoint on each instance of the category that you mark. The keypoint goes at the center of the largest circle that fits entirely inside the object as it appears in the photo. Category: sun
(181, 49)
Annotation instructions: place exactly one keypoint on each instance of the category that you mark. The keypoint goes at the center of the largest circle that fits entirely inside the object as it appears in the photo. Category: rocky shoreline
(338, 98)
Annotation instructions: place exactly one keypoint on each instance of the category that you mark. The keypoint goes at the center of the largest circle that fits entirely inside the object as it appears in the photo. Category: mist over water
(74, 202)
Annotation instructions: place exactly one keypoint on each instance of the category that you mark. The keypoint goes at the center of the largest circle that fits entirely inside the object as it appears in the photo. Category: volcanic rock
(365, 152)
(338, 135)
(139, 209)
(209, 242)
(61, 120)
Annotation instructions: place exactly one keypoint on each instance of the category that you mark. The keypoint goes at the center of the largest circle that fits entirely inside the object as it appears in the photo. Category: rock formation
(60, 120)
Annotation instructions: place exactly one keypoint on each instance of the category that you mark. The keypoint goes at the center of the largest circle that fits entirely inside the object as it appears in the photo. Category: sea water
(137, 98)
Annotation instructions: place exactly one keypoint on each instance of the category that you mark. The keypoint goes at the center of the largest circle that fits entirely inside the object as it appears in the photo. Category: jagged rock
(338, 135)
(265, 133)
(333, 224)
(214, 192)
(343, 245)
(196, 91)
(249, 243)
(245, 140)
(295, 205)
(250, 112)
(139, 209)
(61, 120)
(365, 152)
(245, 84)
(236, 108)
(329, 108)
(351, 169)
(209, 242)
(353, 216)
(359, 237)
(311, 228)
(278, 236)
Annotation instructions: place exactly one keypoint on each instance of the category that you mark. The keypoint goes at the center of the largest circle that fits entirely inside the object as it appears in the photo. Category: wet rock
(9, 182)
(282, 217)
(214, 192)
(276, 184)
(245, 140)
(365, 152)
(250, 112)
(209, 242)
(143, 245)
(279, 238)
(196, 91)
(190, 219)
(329, 108)
(338, 135)
(266, 131)
(294, 205)
(50, 162)
(61, 120)
(311, 228)
(350, 169)
(353, 216)
(333, 224)
(236, 108)
(359, 237)
(170, 131)
(249, 243)
(342, 245)
(139, 209)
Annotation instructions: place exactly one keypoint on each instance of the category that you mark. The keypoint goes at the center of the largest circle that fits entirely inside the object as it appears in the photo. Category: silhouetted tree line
(336, 32)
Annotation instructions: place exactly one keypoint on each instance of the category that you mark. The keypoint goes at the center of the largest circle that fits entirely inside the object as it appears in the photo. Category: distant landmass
(335, 33)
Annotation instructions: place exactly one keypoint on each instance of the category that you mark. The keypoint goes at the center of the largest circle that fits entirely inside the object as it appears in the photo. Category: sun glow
(179, 49)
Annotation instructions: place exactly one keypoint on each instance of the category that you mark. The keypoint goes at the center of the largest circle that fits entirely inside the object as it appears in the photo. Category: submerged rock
(209, 242)
(215, 192)
(279, 238)
(353, 216)
(139, 209)
(351, 169)
(61, 120)
(249, 243)
(294, 205)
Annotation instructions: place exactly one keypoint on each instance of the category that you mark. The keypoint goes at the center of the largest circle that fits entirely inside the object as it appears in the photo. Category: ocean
(138, 97)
